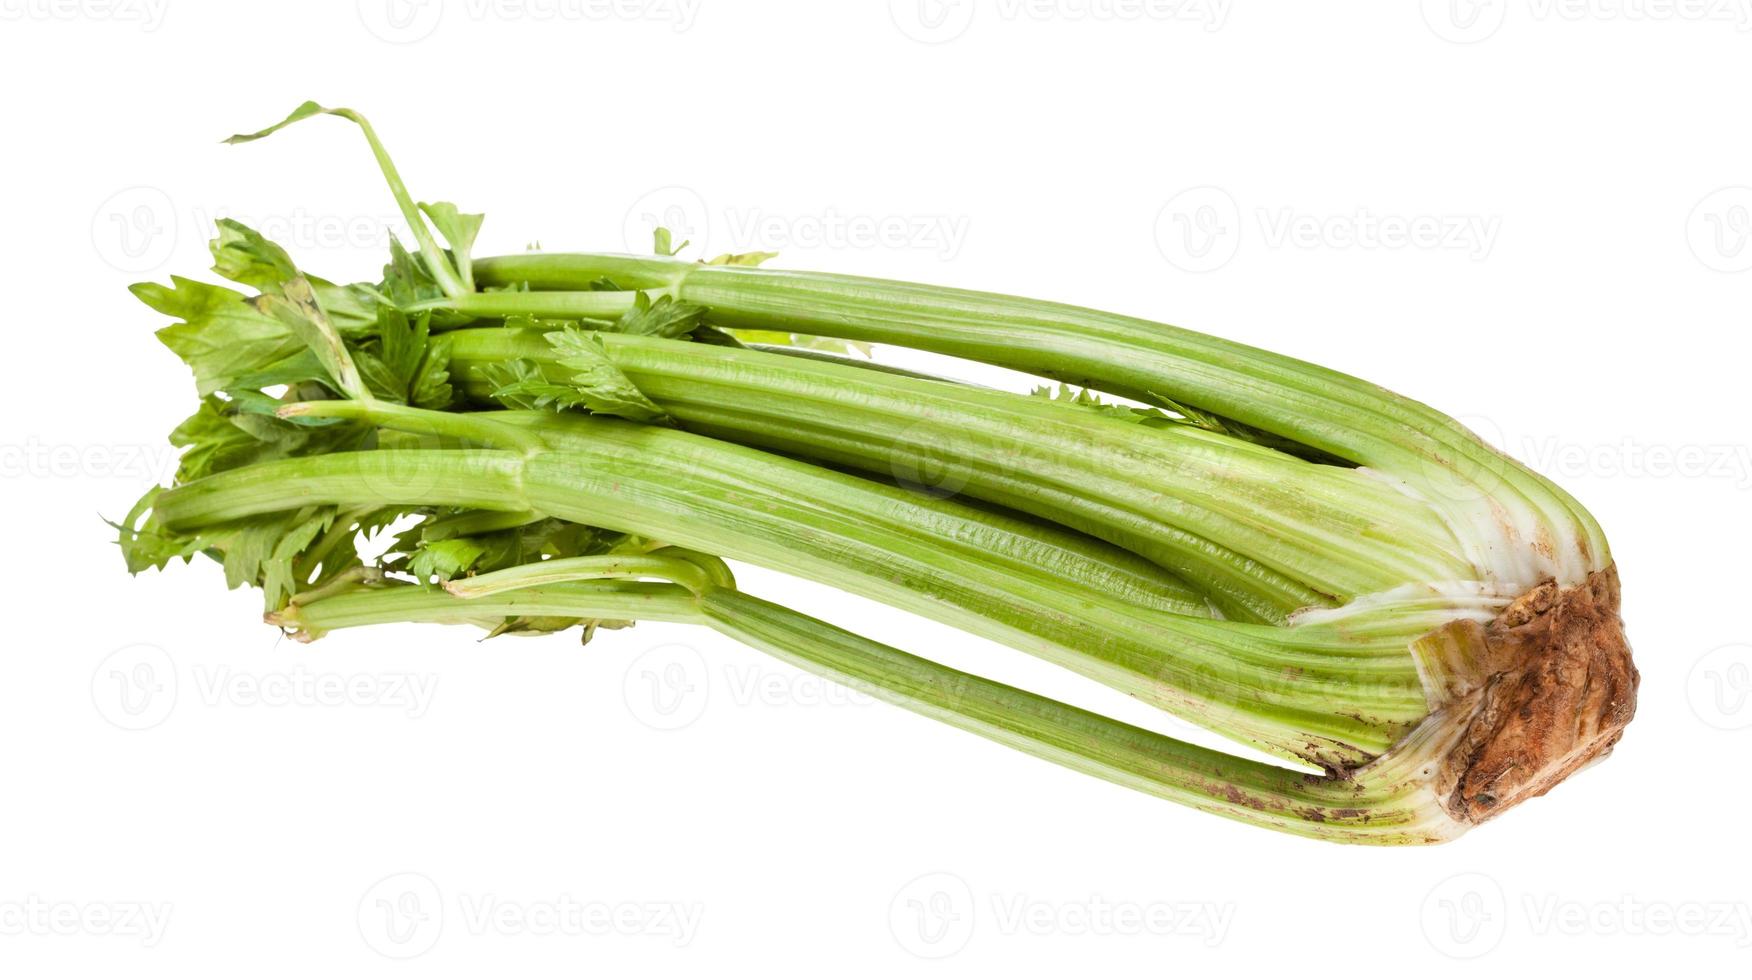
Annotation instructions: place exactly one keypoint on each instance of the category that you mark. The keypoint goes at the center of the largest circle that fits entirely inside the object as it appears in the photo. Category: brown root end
(1555, 691)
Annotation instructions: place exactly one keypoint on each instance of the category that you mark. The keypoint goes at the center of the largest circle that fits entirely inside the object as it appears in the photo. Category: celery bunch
(1424, 630)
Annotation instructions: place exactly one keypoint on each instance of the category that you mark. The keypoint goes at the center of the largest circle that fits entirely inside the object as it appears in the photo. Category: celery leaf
(664, 317)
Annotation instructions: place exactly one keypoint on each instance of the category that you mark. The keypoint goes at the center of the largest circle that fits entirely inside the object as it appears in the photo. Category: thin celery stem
(435, 257)
(471, 427)
(606, 304)
(679, 571)
(464, 478)
(372, 606)
(1215, 782)
(440, 265)
(1323, 807)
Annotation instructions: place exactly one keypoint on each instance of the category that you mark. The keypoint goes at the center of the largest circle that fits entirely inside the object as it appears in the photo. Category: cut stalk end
(1532, 696)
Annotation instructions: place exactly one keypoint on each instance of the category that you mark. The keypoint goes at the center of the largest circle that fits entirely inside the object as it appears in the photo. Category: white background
(1239, 167)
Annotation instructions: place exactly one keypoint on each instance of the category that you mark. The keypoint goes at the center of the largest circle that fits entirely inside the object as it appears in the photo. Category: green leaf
(459, 230)
(247, 546)
(298, 309)
(392, 368)
(335, 553)
(145, 543)
(444, 560)
(749, 259)
(660, 240)
(538, 626)
(667, 317)
(263, 550)
(352, 308)
(519, 383)
(300, 368)
(225, 435)
(593, 382)
(554, 538)
(431, 386)
(210, 442)
(1192, 416)
(221, 336)
(304, 111)
(405, 281)
(1084, 398)
(600, 386)
(278, 577)
(473, 523)
(379, 378)
(480, 541)
(241, 254)
(213, 443)
(404, 341)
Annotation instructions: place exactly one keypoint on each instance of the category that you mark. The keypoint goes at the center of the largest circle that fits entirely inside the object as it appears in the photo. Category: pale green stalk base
(693, 571)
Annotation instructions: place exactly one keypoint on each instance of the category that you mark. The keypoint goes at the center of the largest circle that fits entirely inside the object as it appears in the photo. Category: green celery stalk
(1263, 533)
(1383, 804)
(1521, 527)
(1298, 693)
